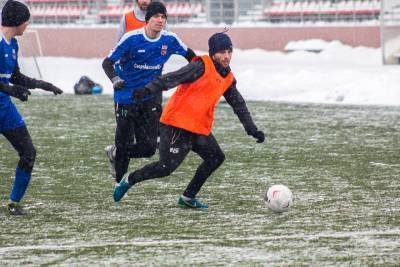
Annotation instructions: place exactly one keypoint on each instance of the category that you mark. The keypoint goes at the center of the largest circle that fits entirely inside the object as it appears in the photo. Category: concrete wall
(97, 42)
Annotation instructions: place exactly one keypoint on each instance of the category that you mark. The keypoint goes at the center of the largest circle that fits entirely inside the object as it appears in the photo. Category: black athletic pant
(175, 144)
(140, 121)
(21, 140)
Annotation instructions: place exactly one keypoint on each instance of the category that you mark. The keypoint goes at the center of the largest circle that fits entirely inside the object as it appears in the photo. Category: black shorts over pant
(175, 144)
(141, 123)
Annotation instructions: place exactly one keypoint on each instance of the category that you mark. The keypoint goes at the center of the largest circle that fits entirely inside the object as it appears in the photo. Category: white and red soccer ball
(278, 198)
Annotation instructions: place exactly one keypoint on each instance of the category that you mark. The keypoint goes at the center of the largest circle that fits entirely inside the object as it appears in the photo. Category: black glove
(118, 83)
(259, 135)
(139, 94)
(49, 87)
(17, 91)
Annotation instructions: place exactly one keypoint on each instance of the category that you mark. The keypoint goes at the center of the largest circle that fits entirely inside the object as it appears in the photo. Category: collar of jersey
(2, 37)
(148, 39)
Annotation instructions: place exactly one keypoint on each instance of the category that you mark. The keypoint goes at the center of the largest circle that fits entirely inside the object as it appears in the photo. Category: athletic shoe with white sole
(15, 209)
(191, 203)
(110, 153)
(121, 188)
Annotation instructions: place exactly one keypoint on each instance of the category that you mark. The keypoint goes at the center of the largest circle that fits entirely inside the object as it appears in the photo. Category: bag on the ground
(85, 86)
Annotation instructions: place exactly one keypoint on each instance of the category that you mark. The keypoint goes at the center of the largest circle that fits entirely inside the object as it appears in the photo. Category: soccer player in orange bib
(134, 19)
(188, 116)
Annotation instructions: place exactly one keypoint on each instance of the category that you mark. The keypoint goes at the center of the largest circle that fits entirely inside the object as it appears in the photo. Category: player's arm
(115, 55)
(190, 55)
(17, 91)
(238, 104)
(17, 78)
(108, 67)
(180, 48)
(187, 74)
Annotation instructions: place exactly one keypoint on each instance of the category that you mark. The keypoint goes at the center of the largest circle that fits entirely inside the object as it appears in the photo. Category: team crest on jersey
(174, 150)
(14, 54)
(164, 50)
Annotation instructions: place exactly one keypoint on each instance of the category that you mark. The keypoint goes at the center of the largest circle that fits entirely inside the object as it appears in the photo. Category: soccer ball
(279, 198)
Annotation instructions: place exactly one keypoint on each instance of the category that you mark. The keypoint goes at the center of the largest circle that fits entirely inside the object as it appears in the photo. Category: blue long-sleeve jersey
(8, 63)
(9, 116)
(139, 60)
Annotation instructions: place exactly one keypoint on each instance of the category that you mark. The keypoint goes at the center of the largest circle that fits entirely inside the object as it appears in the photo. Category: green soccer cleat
(15, 209)
(192, 203)
(121, 189)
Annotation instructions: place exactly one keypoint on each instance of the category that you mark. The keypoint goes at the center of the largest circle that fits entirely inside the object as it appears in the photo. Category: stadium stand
(58, 14)
(59, 11)
(177, 12)
(103, 11)
(344, 10)
(195, 11)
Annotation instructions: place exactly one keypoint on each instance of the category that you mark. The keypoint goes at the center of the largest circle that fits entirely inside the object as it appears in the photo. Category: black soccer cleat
(15, 209)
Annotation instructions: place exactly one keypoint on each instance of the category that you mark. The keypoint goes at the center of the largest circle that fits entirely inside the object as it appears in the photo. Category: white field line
(143, 242)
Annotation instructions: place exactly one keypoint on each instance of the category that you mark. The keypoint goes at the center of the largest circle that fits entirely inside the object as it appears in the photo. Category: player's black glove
(259, 135)
(16, 91)
(118, 83)
(49, 87)
(139, 94)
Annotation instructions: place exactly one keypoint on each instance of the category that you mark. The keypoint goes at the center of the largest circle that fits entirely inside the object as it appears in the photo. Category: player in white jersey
(137, 59)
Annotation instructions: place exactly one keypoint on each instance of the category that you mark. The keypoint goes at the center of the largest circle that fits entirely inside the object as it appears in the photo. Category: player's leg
(123, 132)
(158, 99)
(175, 144)
(146, 130)
(208, 149)
(111, 150)
(21, 140)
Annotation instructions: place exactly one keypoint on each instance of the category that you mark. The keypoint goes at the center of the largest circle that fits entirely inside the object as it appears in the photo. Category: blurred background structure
(267, 24)
(212, 11)
(390, 31)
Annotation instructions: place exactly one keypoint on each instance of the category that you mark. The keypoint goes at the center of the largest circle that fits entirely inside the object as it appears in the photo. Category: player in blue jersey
(137, 59)
(14, 20)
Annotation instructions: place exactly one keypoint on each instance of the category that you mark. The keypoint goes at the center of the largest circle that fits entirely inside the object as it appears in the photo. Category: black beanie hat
(218, 42)
(155, 8)
(14, 13)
